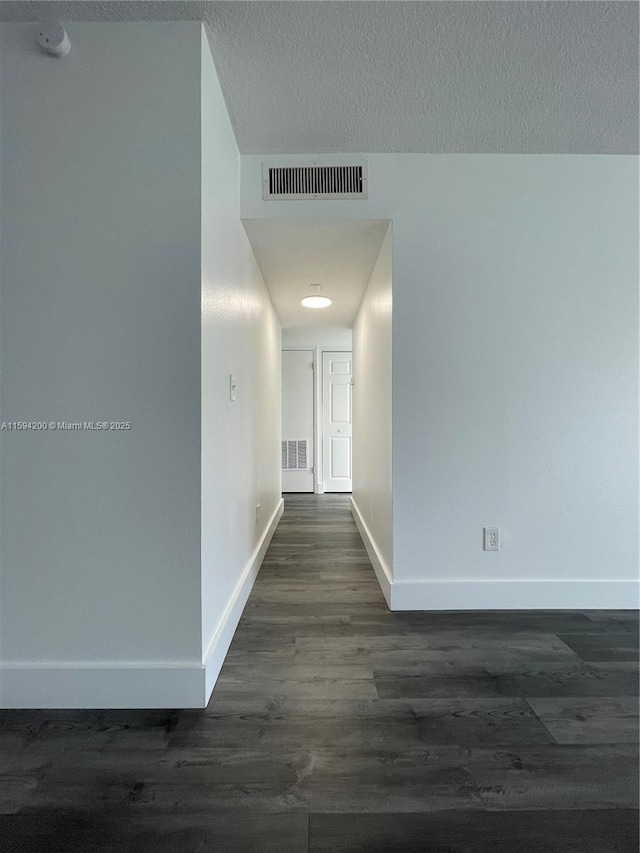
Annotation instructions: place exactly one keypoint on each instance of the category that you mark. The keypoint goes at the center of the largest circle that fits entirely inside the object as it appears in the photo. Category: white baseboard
(221, 640)
(383, 572)
(134, 685)
(514, 595)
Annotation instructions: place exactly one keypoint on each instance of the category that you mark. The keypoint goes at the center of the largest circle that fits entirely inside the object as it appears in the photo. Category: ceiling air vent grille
(314, 181)
(294, 455)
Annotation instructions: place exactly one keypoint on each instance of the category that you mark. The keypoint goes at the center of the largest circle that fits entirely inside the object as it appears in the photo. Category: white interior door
(336, 421)
(297, 421)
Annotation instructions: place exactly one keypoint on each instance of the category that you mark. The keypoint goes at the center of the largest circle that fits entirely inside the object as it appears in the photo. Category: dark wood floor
(339, 727)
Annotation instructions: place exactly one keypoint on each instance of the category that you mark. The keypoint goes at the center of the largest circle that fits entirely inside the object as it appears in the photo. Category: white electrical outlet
(491, 540)
(257, 513)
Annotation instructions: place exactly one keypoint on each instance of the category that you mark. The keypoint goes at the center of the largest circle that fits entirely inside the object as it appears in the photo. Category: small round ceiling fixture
(53, 39)
(315, 300)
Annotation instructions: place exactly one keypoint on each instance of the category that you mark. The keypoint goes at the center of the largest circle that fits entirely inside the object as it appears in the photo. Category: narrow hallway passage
(337, 726)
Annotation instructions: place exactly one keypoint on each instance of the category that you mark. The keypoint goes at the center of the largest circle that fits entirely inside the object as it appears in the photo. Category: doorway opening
(317, 415)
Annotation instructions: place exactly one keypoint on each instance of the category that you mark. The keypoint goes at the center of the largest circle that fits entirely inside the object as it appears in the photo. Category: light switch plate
(232, 387)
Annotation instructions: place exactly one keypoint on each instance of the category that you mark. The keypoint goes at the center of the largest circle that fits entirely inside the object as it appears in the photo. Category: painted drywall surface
(1, 408)
(515, 372)
(515, 368)
(100, 322)
(324, 337)
(240, 336)
(372, 483)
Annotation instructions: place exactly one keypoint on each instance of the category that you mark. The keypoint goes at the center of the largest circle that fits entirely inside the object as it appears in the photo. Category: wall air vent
(294, 455)
(314, 181)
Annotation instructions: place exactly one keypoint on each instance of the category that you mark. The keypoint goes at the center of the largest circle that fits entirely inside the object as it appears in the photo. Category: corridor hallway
(337, 726)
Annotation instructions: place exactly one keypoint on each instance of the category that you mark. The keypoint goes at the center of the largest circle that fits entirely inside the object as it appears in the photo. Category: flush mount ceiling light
(316, 300)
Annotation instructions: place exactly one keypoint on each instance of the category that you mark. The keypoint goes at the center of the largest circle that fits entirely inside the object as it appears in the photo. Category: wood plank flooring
(339, 727)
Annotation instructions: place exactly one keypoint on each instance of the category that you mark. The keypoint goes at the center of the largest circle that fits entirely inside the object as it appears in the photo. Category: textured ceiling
(476, 77)
(339, 255)
(522, 77)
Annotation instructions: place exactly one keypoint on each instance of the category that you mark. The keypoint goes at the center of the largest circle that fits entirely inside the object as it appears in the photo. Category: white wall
(241, 439)
(324, 337)
(126, 556)
(515, 373)
(100, 321)
(372, 447)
